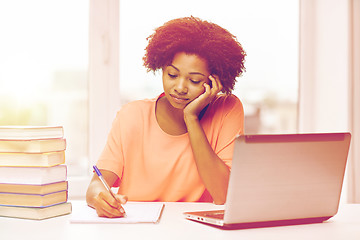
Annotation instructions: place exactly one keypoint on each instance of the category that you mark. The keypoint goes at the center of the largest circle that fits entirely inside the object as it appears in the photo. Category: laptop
(281, 180)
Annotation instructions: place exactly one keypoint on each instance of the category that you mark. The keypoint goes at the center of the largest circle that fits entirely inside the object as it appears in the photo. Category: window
(43, 73)
(45, 64)
(268, 31)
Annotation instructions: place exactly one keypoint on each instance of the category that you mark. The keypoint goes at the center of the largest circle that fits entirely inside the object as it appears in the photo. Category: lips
(180, 100)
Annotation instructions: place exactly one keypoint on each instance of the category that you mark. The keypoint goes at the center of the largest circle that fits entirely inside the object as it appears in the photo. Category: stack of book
(33, 174)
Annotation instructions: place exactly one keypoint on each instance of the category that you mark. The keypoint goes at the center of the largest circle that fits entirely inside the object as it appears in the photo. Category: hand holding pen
(108, 204)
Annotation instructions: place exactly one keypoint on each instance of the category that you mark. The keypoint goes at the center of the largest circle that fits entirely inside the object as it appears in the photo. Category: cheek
(166, 84)
(197, 91)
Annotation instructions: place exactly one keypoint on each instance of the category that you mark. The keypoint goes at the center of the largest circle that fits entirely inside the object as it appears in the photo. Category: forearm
(212, 170)
(99, 198)
(96, 186)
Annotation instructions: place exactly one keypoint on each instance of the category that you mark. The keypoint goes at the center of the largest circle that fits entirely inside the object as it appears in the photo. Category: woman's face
(183, 79)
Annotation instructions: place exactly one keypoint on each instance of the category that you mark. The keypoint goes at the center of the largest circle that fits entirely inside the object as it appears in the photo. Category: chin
(178, 106)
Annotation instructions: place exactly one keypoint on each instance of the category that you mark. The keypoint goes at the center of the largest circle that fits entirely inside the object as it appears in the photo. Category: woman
(178, 146)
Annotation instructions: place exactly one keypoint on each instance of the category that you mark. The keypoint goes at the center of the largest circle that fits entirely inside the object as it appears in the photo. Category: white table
(345, 226)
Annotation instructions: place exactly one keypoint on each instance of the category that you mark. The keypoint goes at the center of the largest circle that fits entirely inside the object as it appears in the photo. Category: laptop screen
(288, 176)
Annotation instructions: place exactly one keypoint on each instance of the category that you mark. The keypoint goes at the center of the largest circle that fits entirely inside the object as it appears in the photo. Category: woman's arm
(212, 170)
(99, 198)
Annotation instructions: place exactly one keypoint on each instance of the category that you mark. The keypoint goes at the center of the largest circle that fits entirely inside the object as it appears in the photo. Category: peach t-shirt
(155, 166)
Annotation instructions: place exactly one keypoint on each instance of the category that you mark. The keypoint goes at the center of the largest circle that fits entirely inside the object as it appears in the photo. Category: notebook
(136, 212)
(282, 180)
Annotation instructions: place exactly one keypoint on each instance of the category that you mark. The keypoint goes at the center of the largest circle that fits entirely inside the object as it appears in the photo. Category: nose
(181, 86)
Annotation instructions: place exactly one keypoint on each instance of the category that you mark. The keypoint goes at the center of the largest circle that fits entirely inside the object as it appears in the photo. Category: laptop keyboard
(216, 214)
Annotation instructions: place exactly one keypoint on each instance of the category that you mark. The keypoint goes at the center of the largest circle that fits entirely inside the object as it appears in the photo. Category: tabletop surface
(173, 225)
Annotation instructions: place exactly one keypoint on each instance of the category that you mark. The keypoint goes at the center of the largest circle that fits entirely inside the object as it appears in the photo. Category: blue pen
(104, 182)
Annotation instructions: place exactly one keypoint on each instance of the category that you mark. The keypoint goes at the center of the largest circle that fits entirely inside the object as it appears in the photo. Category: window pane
(43, 73)
(268, 31)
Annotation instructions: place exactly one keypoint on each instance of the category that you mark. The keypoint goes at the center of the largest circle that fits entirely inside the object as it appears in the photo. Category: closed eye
(195, 81)
(172, 75)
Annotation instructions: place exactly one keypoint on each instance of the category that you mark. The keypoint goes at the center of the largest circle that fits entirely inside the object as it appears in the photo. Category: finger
(111, 206)
(109, 211)
(104, 210)
(121, 198)
(216, 83)
(213, 81)
(104, 213)
(108, 203)
(107, 197)
(207, 90)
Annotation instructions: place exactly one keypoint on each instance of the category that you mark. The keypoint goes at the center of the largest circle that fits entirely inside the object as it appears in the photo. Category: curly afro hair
(224, 54)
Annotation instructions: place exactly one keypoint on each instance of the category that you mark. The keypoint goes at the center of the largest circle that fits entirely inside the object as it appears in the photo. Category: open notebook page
(136, 212)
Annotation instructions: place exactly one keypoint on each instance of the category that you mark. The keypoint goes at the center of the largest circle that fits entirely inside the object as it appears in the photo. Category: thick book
(33, 200)
(34, 189)
(32, 145)
(31, 132)
(36, 213)
(32, 159)
(33, 175)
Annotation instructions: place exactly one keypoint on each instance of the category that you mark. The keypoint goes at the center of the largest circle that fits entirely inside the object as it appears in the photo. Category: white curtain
(329, 76)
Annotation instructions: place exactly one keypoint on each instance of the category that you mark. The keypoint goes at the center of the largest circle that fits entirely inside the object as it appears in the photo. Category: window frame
(103, 74)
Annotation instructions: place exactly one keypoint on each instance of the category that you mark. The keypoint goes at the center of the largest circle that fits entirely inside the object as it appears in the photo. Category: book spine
(33, 175)
(24, 132)
(32, 146)
(33, 200)
(32, 159)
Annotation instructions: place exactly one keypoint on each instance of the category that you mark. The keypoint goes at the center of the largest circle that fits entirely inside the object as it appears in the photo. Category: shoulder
(223, 121)
(226, 103)
(136, 107)
(134, 113)
(132, 117)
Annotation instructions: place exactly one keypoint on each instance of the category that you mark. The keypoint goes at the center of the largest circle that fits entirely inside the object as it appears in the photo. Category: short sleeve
(229, 123)
(111, 158)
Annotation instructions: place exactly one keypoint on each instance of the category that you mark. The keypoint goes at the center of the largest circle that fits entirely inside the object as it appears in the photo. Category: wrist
(190, 118)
